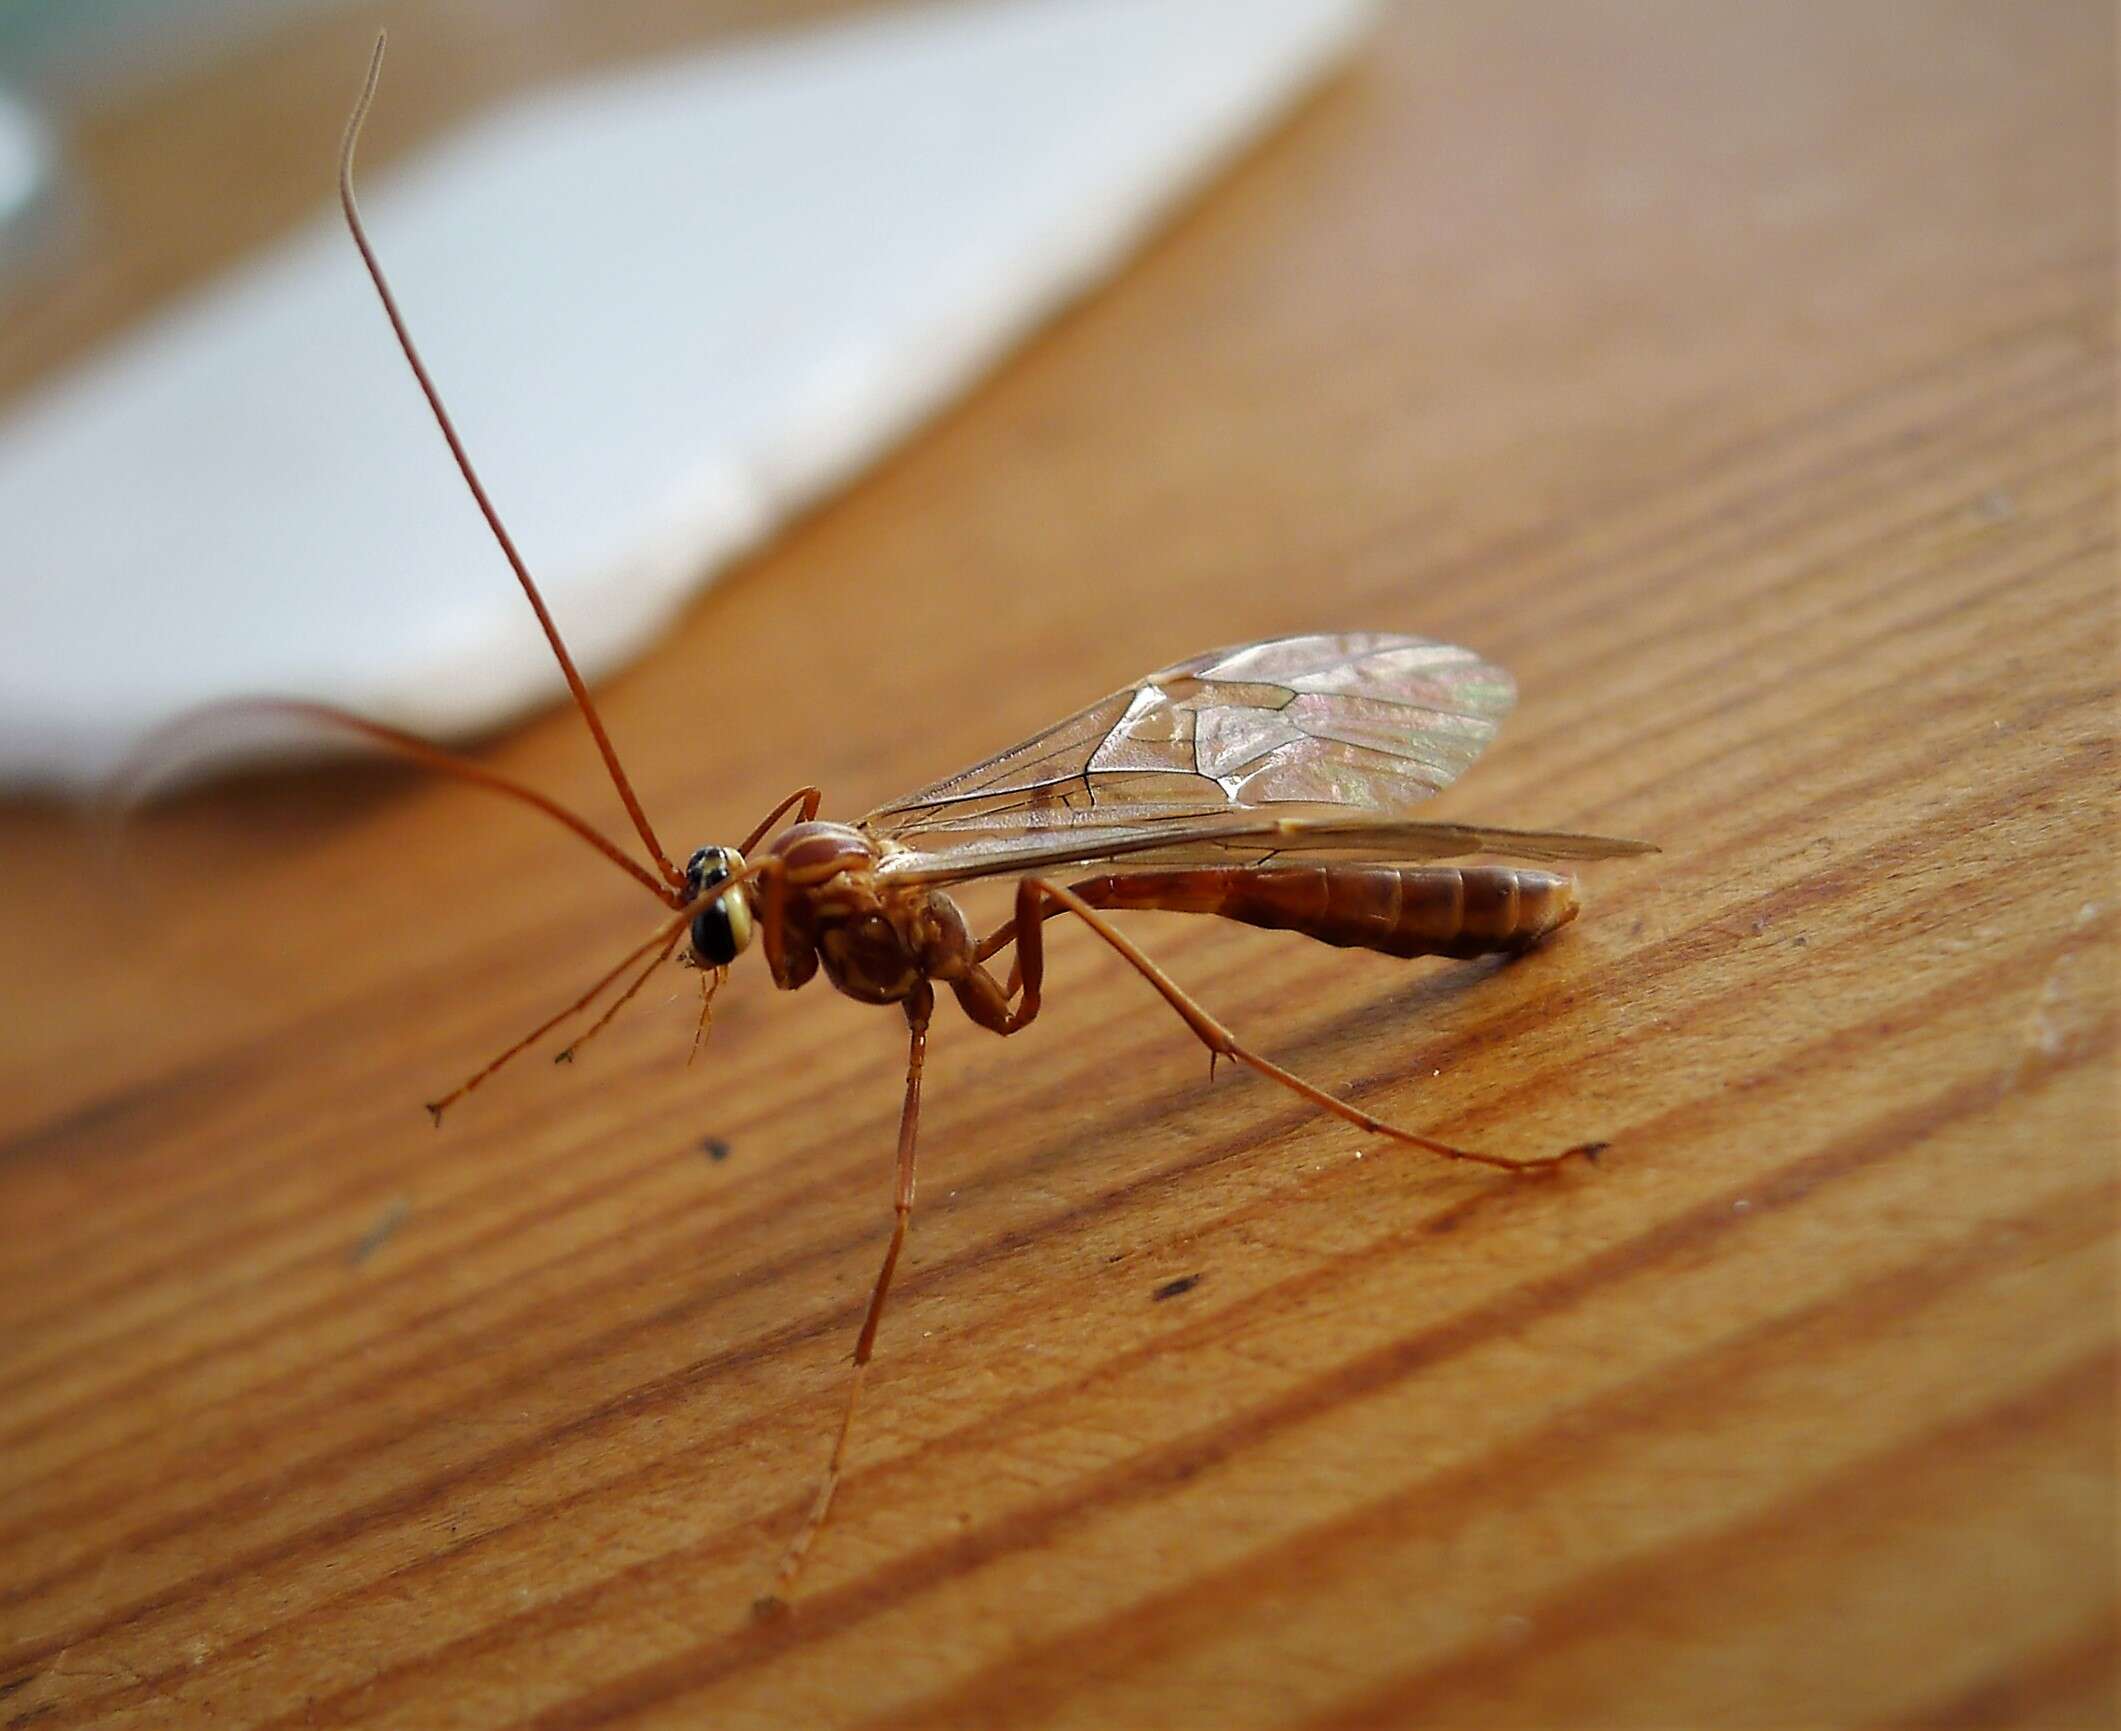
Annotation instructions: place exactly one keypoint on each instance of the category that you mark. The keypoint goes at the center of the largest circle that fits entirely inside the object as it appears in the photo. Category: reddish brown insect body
(1187, 791)
(1460, 911)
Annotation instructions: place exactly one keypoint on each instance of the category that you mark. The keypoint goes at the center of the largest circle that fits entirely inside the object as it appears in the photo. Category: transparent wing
(1241, 838)
(1292, 726)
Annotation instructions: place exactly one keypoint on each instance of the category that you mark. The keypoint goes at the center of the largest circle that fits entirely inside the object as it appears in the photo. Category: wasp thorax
(721, 930)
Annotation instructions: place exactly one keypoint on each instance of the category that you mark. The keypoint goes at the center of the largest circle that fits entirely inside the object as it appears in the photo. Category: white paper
(666, 308)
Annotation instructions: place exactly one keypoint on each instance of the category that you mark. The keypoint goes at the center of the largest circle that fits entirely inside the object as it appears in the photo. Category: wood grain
(1740, 377)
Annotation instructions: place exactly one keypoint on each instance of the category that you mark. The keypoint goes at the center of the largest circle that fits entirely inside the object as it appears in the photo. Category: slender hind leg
(1028, 926)
(918, 1010)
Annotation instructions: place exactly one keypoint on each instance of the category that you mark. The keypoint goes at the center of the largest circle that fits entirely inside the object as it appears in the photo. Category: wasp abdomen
(1396, 910)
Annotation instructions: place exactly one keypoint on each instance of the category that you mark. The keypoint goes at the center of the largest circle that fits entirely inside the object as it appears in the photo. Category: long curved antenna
(165, 752)
(671, 874)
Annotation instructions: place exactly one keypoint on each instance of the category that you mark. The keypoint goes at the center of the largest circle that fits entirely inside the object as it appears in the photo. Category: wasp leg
(986, 1003)
(918, 1010)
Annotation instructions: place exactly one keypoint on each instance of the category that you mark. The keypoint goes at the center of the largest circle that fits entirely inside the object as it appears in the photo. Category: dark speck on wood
(380, 1234)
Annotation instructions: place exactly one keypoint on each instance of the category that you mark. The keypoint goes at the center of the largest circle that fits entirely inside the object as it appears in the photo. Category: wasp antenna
(501, 536)
(664, 941)
(180, 744)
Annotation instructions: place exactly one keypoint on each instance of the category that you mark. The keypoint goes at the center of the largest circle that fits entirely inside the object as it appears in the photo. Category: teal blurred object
(68, 50)
(65, 56)
(29, 175)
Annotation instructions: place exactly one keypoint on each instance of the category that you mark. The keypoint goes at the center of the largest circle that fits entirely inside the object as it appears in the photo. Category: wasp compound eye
(721, 931)
(708, 867)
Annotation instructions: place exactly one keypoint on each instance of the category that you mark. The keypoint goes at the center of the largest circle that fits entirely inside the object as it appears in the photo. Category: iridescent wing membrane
(1315, 745)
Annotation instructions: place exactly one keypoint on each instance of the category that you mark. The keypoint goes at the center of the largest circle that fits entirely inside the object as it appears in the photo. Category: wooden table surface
(1741, 377)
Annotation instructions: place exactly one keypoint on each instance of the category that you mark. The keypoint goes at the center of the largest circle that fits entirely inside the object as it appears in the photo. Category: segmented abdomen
(1397, 911)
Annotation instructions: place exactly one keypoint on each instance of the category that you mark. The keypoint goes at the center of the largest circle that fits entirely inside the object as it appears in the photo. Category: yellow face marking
(738, 902)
